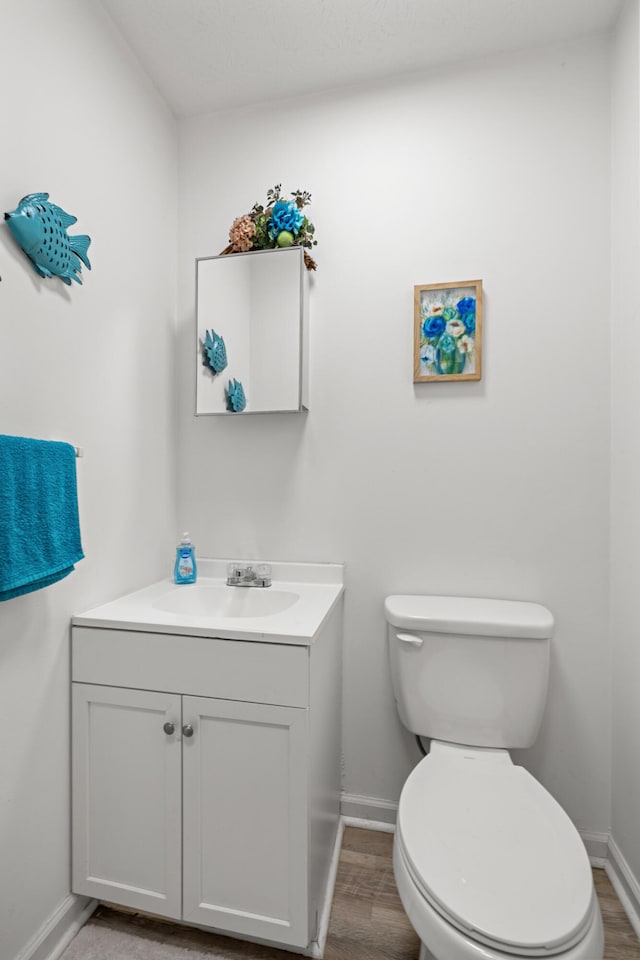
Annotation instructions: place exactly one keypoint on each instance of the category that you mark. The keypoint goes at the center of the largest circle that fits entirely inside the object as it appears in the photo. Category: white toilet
(487, 863)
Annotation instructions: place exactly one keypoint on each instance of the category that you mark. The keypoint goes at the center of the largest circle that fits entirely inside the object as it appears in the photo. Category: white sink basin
(291, 611)
(213, 600)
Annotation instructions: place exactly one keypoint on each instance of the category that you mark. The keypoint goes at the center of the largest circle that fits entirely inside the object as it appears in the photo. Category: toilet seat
(493, 853)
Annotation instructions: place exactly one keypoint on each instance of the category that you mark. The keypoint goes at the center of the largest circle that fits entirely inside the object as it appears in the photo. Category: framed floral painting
(447, 338)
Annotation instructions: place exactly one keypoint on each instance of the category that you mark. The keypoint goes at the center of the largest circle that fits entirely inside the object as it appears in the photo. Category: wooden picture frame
(447, 331)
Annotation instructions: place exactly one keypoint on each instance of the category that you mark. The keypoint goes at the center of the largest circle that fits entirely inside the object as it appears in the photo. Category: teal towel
(39, 525)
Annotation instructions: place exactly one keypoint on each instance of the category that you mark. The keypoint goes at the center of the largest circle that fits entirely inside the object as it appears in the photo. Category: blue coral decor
(236, 400)
(215, 352)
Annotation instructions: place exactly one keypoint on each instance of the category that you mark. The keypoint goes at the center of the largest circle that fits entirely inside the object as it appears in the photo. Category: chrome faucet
(244, 575)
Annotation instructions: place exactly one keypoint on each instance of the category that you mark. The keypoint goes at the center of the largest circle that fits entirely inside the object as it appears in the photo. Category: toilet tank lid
(477, 616)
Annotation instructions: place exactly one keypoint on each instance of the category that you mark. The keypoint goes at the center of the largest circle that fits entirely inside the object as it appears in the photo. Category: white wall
(91, 365)
(625, 436)
(496, 170)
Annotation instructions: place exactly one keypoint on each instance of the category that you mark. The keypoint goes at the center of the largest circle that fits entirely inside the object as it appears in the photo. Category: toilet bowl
(488, 865)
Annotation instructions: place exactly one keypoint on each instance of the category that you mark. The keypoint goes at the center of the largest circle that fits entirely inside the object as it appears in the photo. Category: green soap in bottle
(185, 570)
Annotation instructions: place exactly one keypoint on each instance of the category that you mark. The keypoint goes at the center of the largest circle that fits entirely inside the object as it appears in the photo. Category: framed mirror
(256, 303)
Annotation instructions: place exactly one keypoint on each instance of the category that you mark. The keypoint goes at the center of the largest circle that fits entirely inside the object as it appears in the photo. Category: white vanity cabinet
(127, 797)
(206, 777)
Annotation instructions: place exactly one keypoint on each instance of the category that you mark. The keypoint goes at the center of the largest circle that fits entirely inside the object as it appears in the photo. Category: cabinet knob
(187, 730)
(169, 728)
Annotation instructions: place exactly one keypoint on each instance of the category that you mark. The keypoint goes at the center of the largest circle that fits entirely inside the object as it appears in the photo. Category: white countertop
(317, 586)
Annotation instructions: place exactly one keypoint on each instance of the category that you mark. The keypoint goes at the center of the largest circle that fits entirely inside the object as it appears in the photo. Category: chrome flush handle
(410, 639)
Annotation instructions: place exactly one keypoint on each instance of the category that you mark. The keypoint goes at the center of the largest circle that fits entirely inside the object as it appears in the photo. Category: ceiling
(206, 55)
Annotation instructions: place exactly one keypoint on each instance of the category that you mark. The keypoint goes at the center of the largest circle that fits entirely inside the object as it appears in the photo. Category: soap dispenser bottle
(185, 570)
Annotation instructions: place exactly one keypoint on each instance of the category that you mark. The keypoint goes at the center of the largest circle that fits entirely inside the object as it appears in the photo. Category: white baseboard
(597, 845)
(378, 825)
(378, 811)
(624, 883)
(59, 929)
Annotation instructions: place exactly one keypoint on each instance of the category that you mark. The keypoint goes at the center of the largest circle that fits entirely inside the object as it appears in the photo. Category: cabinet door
(245, 819)
(127, 798)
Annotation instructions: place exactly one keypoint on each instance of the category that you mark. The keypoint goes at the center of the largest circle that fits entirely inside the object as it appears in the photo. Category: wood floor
(620, 941)
(367, 919)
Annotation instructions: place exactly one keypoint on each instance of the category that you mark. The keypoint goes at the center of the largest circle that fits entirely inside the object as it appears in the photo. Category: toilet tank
(469, 670)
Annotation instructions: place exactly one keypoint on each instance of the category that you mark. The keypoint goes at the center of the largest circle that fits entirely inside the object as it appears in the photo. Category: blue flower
(434, 326)
(285, 216)
(467, 311)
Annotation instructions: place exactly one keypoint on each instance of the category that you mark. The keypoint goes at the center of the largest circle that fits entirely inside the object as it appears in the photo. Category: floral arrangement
(276, 223)
(447, 335)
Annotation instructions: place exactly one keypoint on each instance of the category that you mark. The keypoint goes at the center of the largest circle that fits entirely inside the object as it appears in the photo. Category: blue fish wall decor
(40, 229)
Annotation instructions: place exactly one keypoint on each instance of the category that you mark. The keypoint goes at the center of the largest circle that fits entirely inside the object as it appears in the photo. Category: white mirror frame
(216, 301)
